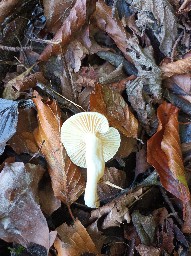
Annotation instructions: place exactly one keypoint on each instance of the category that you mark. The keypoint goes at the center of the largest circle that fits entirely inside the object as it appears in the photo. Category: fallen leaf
(21, 218)
(145, 250)
(145, 227)
(75, 240)
(160, 18)
(71, 27)
(6, 7)
(178, 67)
(67, 181)
(185, 6)
(112, 105)
(114, 176)
(55, 12)
(116, 211)
(9, 119)
(23, 141)
(164, 153)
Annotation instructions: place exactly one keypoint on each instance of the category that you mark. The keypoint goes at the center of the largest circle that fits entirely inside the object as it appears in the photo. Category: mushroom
(90, 142)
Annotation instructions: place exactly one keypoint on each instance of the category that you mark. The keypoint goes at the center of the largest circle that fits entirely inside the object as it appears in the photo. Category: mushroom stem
(95, 169)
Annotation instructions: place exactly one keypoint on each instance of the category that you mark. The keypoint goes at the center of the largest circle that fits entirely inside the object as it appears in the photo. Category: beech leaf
(67, 181)
(112, 105)
(8, 124)
(75, 240)
(164, 152)
(71, 27)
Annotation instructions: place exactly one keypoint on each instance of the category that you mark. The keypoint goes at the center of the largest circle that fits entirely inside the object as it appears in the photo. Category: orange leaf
(75, 240)
(164, 152)
(66, 177)
(176, 68)
(112, 105)
(71, 27)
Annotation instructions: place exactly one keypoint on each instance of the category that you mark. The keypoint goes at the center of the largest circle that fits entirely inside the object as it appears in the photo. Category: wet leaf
(67, 181)
(75, 240)
(145, 250)
(112, 105)
(71, 27)
(164, 153)
(21, 218)
(9, 119)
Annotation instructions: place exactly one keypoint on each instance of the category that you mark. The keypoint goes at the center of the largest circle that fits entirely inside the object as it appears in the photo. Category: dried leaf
(9, 119)
(75, 240)
(112, 25)
(66, 177)
(185, 6)
(23, 141)
(145, 227)
(21, 218)
(176, 68)
(164, 153)
(112, 105)
(145, 250)
(159, 17)
(71, 27)
(55, 12)
(6, 7)
(116, 211)
(114, 176)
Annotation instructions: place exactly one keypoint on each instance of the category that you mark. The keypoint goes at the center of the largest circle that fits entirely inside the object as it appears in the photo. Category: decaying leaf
(9, 119)
(176, 68)
(160, 18)
(145, 250)
(6, 7)
(55, 12)
(71, 26)
(114, 176)
(23, 141)
(116, 211)
(67, 180)
(21, 220)
(145, 227)
(112, 105)
(164, 153)
(75, 240)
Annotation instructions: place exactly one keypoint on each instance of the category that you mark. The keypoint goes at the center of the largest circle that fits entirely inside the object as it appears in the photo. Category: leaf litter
(128, 60)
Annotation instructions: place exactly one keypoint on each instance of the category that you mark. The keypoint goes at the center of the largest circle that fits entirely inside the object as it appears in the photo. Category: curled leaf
(164, 153)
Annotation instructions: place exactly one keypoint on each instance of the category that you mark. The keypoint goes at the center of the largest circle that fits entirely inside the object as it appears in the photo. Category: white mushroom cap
(74, 132)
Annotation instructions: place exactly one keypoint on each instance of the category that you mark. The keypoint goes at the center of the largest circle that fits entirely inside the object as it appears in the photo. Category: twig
(13, 49)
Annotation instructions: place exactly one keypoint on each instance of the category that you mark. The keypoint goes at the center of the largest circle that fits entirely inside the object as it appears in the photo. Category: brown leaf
(67, 181)
(6, 7)
(112, 105)
(71, 27)
(75, 240)
(113, 26)
(176, 68)
(55, 12)
(114, 176)
(164, 152)
(23, 141)
(21, 218)
(185, 6)
(116, 211)
(145, 250)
